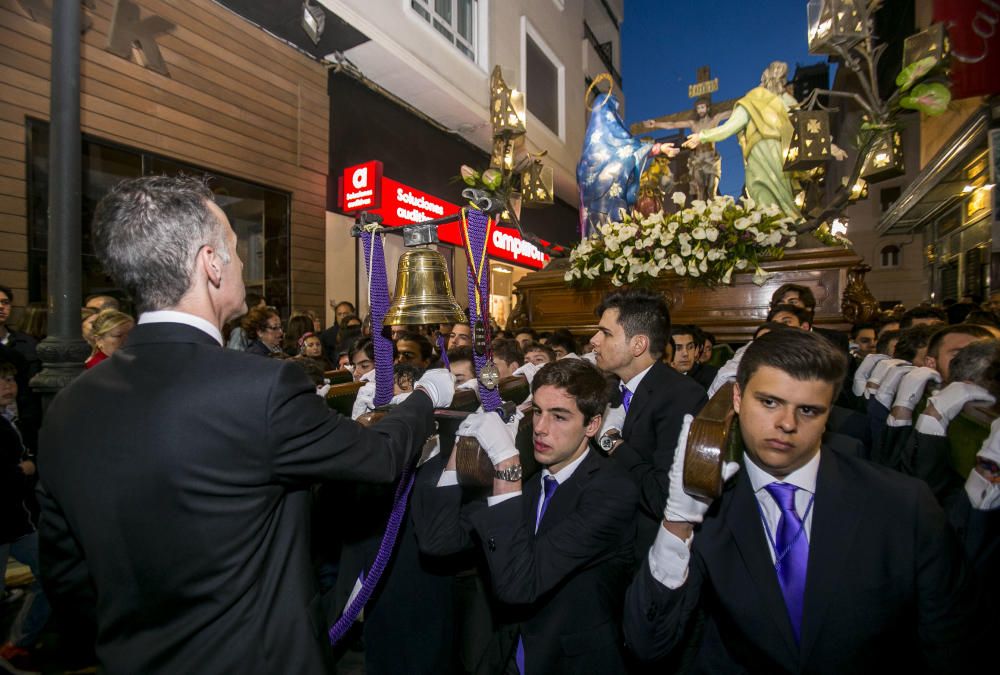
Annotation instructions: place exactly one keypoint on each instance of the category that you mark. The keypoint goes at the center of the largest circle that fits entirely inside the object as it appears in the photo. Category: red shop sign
(364, 188)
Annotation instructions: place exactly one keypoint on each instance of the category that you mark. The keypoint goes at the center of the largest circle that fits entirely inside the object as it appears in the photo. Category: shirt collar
(633, 384)
(173, 316)
(564, 473)
(803, 478)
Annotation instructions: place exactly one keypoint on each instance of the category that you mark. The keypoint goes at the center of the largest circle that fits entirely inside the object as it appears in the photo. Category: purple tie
(791, 553)
(550, 484)
(626, 397)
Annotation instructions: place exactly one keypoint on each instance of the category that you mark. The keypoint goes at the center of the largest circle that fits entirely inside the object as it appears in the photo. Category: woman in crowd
(311, 348)
(263, 328)
(108, 330)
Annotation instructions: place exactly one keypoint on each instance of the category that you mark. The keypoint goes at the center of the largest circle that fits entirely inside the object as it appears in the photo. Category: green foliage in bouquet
(705, 242)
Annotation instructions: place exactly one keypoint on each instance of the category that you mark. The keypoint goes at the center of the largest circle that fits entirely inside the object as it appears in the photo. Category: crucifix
(704, 163)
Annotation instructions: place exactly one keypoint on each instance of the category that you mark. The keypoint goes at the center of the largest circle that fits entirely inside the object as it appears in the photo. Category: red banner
(364, 188)
(973, 27)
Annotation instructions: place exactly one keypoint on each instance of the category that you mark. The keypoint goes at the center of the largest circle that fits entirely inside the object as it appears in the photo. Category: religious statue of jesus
(704, 164)
(761, 121)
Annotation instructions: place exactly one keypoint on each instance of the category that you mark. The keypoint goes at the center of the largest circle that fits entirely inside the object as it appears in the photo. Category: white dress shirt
(669, 557)
(173, 316)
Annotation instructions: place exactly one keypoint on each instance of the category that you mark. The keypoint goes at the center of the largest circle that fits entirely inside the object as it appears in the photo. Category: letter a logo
(360, 178)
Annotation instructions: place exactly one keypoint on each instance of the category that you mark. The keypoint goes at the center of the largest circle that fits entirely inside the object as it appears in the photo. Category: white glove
(890, 383)
(495, 437)
(472, 384)
(991, 446)
(950, 400)
(399, 398)
(439, 384)
(527, 371)
(614, 418)
(682, 507)
(727, 373)
(863, 371)
(879, 372)
(911, 388)
(364, 401)
(322, 390)
(983, 493)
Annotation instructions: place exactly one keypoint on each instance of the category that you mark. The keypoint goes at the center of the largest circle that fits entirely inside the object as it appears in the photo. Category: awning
(938, 186)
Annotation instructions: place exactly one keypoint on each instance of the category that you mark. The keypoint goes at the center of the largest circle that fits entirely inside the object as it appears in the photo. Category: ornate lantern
(810, 145)
(932, 41)
(859, 190)
(507, 110)
(835, 23)
(885, 159)
(537, 184)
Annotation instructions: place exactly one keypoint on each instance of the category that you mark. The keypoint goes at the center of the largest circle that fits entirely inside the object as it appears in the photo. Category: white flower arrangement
(704, 242)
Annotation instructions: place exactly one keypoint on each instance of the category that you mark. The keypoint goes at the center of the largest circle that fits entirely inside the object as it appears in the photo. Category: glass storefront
(260, 215)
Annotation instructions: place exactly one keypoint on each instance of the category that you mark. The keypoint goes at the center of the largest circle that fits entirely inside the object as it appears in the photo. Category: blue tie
(626, 397)
(550, 484)
(791, 553)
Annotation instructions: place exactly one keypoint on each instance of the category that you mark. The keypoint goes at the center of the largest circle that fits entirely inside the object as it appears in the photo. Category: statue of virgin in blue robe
(610, 165)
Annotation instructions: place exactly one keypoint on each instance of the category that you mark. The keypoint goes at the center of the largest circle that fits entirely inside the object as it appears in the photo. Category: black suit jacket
(887, 587)
(560, 588)
(176, 483)
(703, 374)
(653, 423)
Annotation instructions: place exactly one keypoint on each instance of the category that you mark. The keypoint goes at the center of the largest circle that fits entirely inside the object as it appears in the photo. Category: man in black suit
(640, 434)
(558, 547)
(175, 477)
(811, 561)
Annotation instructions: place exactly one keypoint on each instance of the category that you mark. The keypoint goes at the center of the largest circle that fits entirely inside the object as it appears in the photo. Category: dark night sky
(665, 41)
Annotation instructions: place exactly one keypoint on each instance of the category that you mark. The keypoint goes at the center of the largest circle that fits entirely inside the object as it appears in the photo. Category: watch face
(607, 443)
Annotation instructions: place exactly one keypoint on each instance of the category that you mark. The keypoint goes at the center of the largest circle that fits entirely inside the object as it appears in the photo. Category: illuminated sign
(364, 188)
(360, 187)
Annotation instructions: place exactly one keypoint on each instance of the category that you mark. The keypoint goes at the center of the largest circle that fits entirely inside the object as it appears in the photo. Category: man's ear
(931, 362)
(640, 344)
(209, 261)
(737, 398)
(593, 426)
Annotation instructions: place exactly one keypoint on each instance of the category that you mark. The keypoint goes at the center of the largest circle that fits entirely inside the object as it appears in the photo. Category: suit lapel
(743, 519)
(532, 491)
(642, 397)
(567, 495)
(836, 515)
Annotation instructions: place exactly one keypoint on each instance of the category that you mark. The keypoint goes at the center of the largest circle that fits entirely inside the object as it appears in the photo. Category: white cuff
(448, 478)
(499, 499)
(984, 495)
(891, 421)
(669, 558)
(930, 426)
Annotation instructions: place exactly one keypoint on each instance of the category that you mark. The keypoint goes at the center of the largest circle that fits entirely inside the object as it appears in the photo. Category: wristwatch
(609, 440)
(511, 474)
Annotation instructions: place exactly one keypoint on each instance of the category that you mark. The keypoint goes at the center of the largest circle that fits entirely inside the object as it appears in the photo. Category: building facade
(171, 87)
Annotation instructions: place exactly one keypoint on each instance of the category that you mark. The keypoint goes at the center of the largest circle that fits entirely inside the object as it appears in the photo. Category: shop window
(260, 216)
(454, 19)
(543, 80)
(890, 256)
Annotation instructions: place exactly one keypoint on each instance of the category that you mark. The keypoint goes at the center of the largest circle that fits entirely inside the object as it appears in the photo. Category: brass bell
(423, 291)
